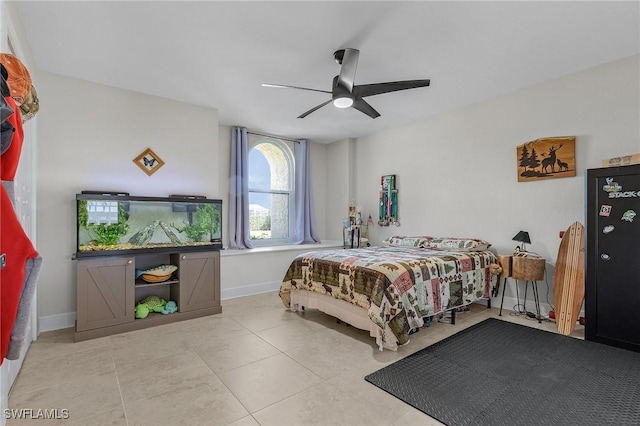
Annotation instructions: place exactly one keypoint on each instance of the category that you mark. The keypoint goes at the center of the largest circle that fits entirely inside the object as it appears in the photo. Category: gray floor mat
(500, 373)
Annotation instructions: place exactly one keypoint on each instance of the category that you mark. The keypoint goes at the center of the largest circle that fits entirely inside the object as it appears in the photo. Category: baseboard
(56, 322)
(249, 290)
(511, 302)
(59, 321)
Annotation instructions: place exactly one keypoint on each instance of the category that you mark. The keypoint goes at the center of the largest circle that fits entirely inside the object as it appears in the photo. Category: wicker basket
(527, 268)
(155, 278)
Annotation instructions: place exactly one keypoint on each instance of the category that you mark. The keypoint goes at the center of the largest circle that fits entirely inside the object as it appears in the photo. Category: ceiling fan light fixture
(343, 100)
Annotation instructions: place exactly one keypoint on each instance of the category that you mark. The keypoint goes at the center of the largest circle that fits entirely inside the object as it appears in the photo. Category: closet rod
(271, 136)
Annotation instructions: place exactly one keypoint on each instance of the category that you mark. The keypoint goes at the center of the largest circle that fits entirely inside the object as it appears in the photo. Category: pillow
(456, 244)
(405, 241)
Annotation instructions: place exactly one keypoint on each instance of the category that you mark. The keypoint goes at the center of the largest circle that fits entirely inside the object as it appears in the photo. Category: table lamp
(522, 237)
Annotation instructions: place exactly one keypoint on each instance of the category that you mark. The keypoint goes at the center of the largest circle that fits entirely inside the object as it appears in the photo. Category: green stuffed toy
(142, 310)
(150, 304)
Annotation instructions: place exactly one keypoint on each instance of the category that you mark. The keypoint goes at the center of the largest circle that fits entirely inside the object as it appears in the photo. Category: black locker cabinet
(612, 300)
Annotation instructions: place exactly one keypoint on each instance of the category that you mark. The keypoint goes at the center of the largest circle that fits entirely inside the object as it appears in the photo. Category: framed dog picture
(546, 158)
(148, 161)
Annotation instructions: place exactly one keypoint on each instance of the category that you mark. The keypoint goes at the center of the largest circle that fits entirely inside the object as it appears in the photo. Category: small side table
(530, 270)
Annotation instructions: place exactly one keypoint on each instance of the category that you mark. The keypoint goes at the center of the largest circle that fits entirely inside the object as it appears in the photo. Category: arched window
(271, 176)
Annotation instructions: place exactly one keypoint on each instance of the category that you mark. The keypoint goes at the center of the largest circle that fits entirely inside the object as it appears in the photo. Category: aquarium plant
(206, 220)
(103, 233)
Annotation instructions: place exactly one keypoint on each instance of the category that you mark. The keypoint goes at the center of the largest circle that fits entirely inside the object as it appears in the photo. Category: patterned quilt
(398, 286)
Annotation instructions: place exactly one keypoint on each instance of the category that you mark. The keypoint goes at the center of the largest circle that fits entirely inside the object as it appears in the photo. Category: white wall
(456, 172)
(224, 168)
(340, 183)
(321, 192)
(89, 135)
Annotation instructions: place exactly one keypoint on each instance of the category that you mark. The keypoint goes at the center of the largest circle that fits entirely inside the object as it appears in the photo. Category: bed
(391, 290)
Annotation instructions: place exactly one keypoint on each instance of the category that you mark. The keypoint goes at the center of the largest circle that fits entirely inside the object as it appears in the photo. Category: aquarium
(121, 224)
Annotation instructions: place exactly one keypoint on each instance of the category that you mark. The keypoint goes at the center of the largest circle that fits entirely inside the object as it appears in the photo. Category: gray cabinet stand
(108, 291)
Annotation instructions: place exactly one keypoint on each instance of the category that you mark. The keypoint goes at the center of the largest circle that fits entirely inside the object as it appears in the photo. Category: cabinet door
(105, 294)
(199, 280)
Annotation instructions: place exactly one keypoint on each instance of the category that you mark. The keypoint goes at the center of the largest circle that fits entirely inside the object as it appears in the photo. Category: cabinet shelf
(141, 283)
(153, 315)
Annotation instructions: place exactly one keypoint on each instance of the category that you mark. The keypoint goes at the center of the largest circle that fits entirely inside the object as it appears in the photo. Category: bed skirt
(344, 311)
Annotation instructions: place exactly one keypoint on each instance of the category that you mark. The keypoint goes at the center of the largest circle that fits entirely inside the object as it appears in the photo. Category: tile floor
(254, 364)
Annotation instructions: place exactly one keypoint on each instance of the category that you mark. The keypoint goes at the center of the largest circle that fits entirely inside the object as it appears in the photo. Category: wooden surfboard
(568, 280)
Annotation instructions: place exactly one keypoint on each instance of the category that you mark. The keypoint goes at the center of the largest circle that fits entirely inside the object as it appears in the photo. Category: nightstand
(525, 268)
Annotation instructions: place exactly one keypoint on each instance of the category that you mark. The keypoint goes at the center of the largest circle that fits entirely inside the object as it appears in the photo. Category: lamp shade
(522, 237)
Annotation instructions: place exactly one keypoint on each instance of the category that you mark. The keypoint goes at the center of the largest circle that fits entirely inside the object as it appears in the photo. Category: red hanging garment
(18, 249)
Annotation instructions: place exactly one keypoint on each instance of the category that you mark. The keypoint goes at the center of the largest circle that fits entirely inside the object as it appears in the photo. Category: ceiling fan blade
(362, 106)
(393, 86)
(314, 109)
(349, 64)
(281, 86)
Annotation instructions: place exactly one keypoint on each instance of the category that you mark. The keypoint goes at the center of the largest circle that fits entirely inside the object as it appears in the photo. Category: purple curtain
(305, 225)
(239, 235)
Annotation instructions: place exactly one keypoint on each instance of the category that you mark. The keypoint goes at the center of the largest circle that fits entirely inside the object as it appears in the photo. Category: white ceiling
(217, 54)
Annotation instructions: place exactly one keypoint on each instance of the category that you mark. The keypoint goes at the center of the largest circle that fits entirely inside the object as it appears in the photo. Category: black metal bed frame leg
(504, 285)
(453, 316)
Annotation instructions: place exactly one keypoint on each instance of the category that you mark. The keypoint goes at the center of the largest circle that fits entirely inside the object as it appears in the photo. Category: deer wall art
(547, 158)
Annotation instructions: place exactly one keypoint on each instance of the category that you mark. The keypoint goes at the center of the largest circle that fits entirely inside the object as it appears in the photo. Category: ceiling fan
(345, 93)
